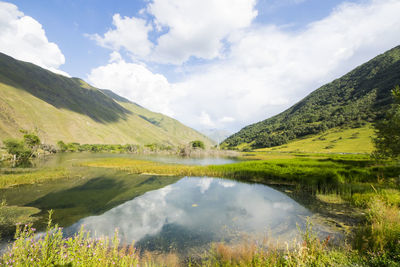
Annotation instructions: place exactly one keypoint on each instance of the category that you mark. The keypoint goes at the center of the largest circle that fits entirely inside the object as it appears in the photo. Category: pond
(161, 213)
(196, 211)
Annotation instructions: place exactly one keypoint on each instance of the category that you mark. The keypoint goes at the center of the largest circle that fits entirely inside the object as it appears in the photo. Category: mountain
(354, 100)
(216, 134)
(69, 109)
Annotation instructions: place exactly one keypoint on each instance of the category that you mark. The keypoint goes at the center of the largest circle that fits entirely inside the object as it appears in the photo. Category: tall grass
(379, 237)
(51, 249)
(311, 251)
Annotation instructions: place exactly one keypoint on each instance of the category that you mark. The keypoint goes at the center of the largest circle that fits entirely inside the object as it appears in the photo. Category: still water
(160, 213)
(68, 159)
(195, 211)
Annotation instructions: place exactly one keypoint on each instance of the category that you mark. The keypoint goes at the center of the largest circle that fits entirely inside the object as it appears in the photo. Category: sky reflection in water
(196, 211)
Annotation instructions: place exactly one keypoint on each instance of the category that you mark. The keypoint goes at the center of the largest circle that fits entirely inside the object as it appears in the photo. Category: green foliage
(198, 144)
(31, 140)
(18, 149)
(387, 139)
(22, 150)
(357, 98)
(62, 146)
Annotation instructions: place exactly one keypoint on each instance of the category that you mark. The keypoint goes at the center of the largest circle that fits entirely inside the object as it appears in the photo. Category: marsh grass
(320, 174)
(32, 176)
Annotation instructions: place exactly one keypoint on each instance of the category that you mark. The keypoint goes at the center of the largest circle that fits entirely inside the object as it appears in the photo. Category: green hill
(69, 109)
(352, 101)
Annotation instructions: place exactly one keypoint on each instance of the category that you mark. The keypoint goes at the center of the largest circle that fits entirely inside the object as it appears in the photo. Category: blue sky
(209, 63)
(67, 21)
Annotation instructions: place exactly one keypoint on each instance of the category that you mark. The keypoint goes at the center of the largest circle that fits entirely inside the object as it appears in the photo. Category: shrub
(198, 144)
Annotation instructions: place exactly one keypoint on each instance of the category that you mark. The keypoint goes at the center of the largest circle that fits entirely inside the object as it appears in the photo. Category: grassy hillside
(69, 109)
(351, 140)
(354, 100)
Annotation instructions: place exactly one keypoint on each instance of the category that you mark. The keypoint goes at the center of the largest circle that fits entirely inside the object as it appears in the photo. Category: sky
(211, 64)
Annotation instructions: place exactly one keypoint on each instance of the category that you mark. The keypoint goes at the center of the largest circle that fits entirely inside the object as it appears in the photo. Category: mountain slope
(69, 109)
(354, 100)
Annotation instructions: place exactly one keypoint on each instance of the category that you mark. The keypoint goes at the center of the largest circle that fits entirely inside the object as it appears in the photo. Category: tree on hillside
(387, 141)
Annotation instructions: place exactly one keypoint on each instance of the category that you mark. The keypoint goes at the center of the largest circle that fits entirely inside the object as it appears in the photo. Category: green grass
(352, 140)
(32, 176)
(320, 173)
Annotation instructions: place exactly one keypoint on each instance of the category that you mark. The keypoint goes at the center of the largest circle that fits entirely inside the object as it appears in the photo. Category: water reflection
(196, 211)
(70, 159)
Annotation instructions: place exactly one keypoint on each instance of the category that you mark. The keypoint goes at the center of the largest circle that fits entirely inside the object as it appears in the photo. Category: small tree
(31, 140)
(198, 144)
(18, 150)
(387, 140)
(62, 146)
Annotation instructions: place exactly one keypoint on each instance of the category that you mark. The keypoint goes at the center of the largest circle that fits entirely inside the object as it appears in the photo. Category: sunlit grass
(32, 176)
(351, 140)
(317, 172)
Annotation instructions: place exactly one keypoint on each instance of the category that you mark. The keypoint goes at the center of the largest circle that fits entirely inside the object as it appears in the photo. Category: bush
(18, 150)
(198, 144)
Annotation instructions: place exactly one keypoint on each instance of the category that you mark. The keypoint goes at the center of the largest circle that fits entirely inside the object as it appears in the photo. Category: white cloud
(136, 82)
(270, 68)
(23, 38)
(226, 119)
(197, 27)
(205, 120)
(266, 68)
(129, 33)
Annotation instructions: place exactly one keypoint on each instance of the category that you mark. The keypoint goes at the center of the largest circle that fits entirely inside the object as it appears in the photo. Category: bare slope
(68, 109)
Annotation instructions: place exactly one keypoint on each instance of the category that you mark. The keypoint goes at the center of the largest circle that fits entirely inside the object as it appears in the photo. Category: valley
(90, 178)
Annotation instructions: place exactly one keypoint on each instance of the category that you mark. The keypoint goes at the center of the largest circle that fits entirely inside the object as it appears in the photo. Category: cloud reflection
(201, 205)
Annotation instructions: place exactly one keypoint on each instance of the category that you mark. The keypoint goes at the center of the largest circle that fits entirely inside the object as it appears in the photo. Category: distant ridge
(69, 109)
(354, 100)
